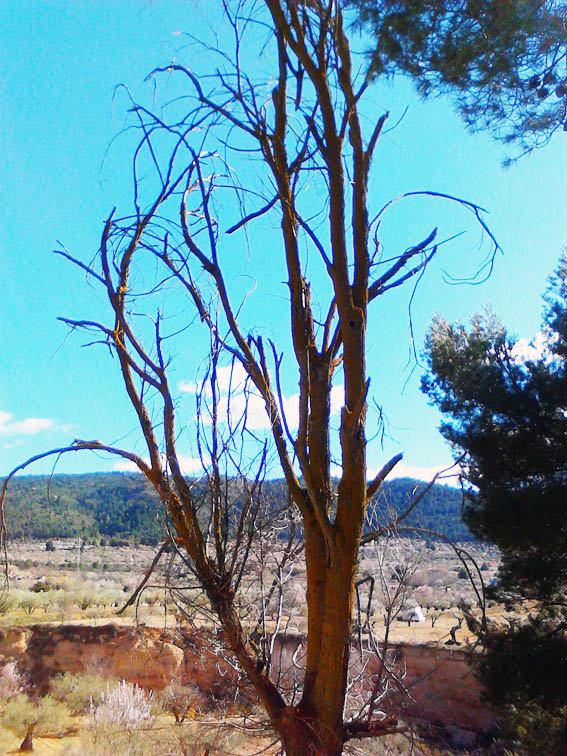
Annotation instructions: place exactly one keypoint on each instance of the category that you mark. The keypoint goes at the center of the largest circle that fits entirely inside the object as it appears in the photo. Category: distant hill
(122, 505)
(439, 511)
(92, 505)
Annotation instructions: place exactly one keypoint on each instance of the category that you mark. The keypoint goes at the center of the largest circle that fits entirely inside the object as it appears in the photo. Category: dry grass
(107, 576)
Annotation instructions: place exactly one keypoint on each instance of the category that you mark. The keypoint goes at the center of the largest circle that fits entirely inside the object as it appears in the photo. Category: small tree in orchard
(305, 148)
(508, 413)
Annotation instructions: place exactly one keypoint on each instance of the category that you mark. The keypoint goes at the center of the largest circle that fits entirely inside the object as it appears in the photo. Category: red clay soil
(443, 689)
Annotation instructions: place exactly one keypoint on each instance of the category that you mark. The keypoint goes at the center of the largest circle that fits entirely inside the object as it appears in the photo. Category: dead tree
(453, 633)
(304, 134)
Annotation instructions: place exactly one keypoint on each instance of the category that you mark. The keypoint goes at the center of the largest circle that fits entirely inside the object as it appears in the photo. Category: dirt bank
(443, 689)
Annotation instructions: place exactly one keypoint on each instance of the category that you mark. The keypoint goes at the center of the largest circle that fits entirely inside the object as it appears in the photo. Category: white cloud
(419, 473)
(232, 381)
(535, 349)
(124, 465)
(231, 377)
(187, 387)
(188, 465)
(27, 427)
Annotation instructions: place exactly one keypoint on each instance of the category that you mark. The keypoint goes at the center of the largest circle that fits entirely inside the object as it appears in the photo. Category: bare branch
(417, 499)
(375, 485)
(133, 598)
(80, 264)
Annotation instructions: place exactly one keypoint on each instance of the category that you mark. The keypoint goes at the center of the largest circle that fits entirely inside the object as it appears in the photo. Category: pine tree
(509, 415)
(503, 60)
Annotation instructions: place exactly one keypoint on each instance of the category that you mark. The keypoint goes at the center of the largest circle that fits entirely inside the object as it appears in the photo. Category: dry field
(89, 584)
(65, 583)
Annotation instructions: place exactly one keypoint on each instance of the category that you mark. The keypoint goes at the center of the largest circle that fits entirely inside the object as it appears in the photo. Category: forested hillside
(92, 505)
(439, 511)
(121, 505)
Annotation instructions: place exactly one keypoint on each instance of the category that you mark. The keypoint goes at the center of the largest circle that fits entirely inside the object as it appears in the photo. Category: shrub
(29, 601)
(117, 542)
(12, 682)
(42, 586)
(80, 692)
(531, 725)
(124, 706)
(86, 599)
(47, 715)
(121, 720)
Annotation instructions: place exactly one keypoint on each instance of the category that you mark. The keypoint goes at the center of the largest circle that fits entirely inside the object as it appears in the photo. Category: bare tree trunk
(27, 742)
(305, 736)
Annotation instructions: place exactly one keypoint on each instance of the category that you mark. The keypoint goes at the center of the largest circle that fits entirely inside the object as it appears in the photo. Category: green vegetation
(440, 510)
(25, 717)
(98, 716)
(80, 692)
(117, 507)
(509, 415)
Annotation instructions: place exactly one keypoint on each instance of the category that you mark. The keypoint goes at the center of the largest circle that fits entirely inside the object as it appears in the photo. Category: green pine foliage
(119, 506)
(98, 504)
(510, 417)
(508, 413)
(503, 60)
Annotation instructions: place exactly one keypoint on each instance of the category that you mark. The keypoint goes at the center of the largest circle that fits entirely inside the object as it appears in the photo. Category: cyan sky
(61, 173)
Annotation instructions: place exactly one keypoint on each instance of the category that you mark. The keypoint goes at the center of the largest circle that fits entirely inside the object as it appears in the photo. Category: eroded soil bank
(443, 691)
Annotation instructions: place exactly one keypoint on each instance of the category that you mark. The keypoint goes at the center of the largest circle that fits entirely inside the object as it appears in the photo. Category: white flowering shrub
(121, 722)
(124, 706)
(12, 682)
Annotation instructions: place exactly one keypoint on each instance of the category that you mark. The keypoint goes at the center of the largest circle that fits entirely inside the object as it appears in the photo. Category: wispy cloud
(233, 398)
(13, 444)
(29, 426)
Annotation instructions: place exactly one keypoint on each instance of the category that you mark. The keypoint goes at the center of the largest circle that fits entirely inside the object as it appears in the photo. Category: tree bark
(27, 742)
(304, 736)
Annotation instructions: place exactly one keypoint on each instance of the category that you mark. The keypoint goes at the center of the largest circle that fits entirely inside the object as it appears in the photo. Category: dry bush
(49, 717)
(80, 691)
(12, 682)
(166, 740)
(181, 700)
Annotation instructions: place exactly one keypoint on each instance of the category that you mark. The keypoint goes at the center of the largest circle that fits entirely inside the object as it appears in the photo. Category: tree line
(122, 505)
